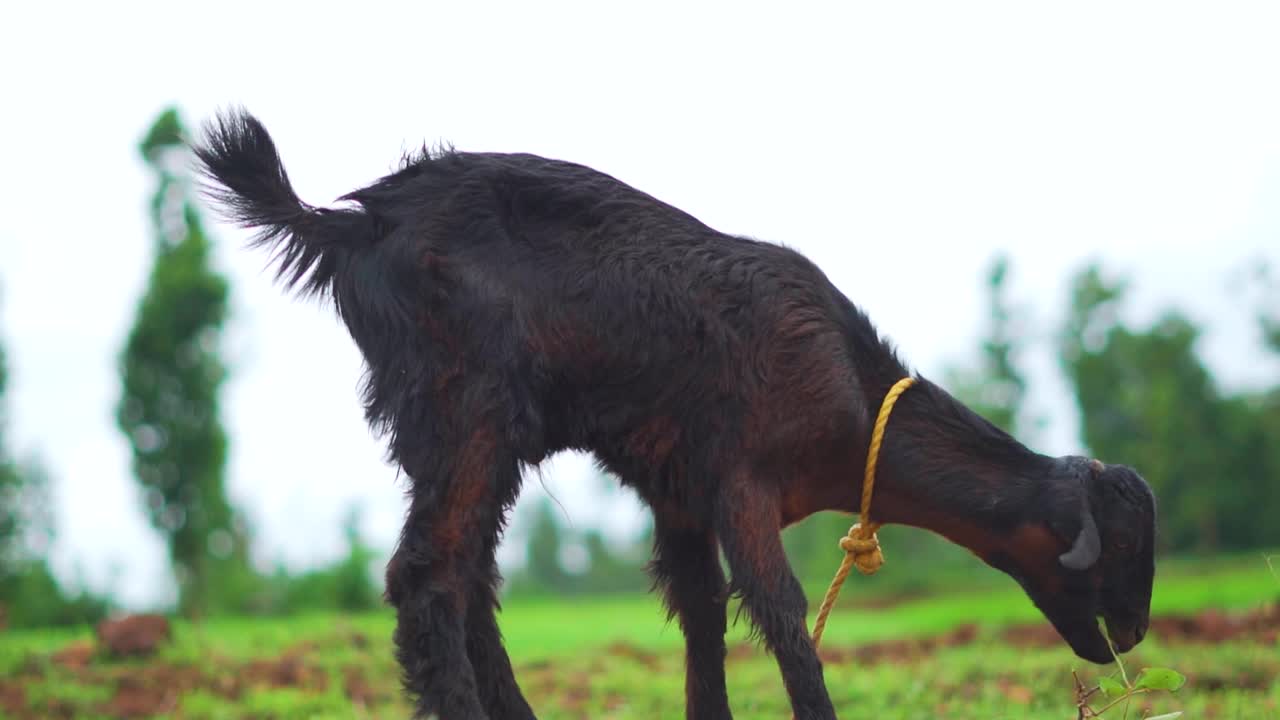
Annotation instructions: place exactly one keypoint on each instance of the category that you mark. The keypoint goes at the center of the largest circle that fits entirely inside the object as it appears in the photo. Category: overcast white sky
(899, 145)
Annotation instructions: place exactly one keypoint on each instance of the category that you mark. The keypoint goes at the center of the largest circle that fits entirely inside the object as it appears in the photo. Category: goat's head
(1105, 516)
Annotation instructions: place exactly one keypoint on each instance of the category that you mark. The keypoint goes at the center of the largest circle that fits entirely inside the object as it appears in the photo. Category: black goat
(511, 306)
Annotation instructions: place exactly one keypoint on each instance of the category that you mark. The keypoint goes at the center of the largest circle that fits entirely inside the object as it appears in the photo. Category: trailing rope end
(864, 548)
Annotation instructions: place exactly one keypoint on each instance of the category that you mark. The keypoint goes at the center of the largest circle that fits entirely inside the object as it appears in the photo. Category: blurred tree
(1269, 306)
(542, 569)
(1271, 331)
(577, 562)
(172, 373)
(16, 491)
(997, 388)
(812, 545)
(30, 595)
(614, 570)
(346, 585)
(355, 586)
(1147, 400)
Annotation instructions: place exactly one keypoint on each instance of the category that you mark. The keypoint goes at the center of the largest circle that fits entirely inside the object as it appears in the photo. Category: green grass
(619, 658)
(537, 629)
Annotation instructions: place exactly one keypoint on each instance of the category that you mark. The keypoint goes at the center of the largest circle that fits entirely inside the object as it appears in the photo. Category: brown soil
(75, 655)
(133, 635)
(135, 699)
(882, 601)
(358, 688)
(286, 671)
(12, 698)
(157, 688)
(643, 657)
(144, 691)
(897, 651)
(1208, 626)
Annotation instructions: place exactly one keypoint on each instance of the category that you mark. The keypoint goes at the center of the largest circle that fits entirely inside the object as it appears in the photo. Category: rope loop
(861, 545)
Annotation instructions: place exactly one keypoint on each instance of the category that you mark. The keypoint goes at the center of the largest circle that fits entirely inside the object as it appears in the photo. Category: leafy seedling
(1111, 691)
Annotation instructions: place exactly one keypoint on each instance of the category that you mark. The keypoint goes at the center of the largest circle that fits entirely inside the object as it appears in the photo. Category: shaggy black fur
(510, 306)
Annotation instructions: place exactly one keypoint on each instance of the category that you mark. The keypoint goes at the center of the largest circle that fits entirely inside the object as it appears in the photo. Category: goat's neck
(945, 469)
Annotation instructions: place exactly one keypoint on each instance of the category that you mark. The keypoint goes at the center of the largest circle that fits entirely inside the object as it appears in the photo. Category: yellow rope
(861, 546)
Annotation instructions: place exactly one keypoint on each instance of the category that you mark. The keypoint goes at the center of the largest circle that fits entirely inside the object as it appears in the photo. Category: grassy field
(952, 655)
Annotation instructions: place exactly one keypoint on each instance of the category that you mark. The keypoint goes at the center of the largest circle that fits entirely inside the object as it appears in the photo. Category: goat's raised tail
(247, 181)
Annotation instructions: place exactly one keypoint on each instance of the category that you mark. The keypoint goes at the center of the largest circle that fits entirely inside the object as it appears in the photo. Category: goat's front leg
(748, 521)
(686, 565)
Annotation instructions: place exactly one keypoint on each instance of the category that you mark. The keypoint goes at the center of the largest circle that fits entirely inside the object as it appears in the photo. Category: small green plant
(1111, 692)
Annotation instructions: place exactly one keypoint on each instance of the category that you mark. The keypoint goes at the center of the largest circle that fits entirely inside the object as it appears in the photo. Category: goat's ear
(1085, 550)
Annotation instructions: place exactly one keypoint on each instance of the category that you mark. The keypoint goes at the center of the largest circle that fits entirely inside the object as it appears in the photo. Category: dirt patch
(1214, 626)
(1208, 626)
(577, 697)
(157, 688)
(137, 690)
(74, 656)
(133, 635)
(883, 601)
(1015, 692)
(51, 709)
(359, 641)
(135, 698)
(1039, 635)
(633, 653)
(900, 650)
(358, 688)
(287, 671)
(13, 699)
(1259, 677)
(151, 690)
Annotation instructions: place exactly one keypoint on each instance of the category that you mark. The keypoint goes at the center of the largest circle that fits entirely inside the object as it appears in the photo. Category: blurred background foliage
(1144, 395)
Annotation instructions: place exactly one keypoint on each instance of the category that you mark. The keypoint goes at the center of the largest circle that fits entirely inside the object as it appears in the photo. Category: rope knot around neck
(862, 546)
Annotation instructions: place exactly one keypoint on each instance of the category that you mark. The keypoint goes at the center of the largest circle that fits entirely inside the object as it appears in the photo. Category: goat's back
(588, 306)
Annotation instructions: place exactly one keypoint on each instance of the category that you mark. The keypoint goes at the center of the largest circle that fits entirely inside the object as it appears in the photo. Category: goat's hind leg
(686, 565)
(437, 578)
(499, 692)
